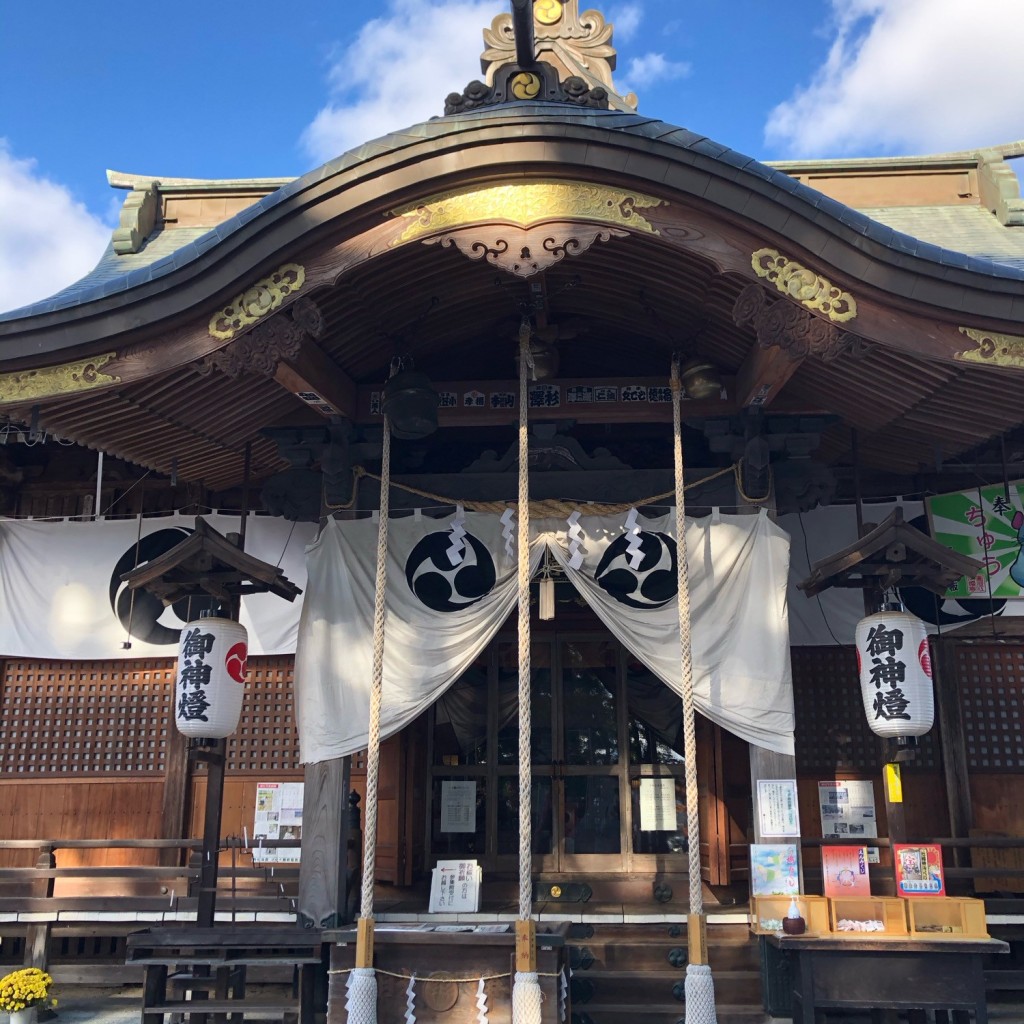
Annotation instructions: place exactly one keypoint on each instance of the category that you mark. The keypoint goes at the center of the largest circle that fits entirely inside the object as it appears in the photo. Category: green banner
(984, 524)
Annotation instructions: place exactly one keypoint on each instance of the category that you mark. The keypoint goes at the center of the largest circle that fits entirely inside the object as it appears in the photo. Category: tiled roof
(969, 229)
(169, 249)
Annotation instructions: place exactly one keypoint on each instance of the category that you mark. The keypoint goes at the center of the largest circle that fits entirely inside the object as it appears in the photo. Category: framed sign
(777, 808)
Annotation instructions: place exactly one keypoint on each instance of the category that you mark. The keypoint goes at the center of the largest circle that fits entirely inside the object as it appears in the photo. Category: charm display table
(887, 974)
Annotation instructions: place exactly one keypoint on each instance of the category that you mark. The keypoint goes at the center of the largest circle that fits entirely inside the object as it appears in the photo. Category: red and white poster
(918, 870)
(844, 871)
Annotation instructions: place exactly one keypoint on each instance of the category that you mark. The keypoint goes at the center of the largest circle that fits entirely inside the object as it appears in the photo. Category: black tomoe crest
(652, 583)
(445, 587)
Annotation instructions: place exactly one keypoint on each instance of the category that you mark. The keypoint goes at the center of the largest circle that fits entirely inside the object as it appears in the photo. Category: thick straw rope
(376, 684)
(526, 992)
(523, 542)
(699, 987)
(689, 736)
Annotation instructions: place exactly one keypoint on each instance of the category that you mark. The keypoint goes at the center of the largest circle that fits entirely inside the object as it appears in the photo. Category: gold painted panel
(257, 301)
(805, 286)
(526, 204)
(49, 381)
(992, 349)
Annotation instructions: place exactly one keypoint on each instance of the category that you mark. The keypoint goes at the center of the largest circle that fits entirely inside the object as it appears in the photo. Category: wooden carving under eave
(805, 286)
(48, 381)
(526, 204)
(992, 349)
(257, 301)
(525, 252)
(797, 332)
(259, 350)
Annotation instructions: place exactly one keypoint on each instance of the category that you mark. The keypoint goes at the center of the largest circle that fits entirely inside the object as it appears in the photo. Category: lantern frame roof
(208, 563)
(894, 553)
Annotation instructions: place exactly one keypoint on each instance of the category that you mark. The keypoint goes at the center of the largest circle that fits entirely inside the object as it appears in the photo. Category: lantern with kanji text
(211, 678)
(895, 674)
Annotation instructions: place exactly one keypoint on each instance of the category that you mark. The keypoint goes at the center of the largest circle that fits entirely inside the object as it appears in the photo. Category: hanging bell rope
(699, 988)
(361, 997)
(526, 993)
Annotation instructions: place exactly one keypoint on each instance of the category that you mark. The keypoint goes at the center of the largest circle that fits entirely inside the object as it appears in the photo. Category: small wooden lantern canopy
(893, 554)
(208, 563)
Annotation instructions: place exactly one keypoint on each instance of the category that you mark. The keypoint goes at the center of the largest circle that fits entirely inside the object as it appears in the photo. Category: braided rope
(542, 507)
(685, 652)
(376, 684)
(523, 541)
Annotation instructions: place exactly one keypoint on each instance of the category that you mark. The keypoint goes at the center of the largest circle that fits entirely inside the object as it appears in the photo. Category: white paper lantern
(211, 678)
(895, 674)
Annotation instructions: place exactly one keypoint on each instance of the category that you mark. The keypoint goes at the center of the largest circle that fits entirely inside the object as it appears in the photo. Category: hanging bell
(410, 403)
(700, 379)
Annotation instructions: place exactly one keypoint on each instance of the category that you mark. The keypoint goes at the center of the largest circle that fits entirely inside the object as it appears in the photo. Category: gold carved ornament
(49, 381)
(547, 12)
(525, 204)
(808, 288)
(525, 86)
(992, 349)
(257, 301)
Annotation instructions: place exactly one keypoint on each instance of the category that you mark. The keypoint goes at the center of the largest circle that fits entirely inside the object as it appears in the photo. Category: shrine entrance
(608, 791)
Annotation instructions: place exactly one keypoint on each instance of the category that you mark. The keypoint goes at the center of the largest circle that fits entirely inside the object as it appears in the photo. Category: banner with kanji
(986, 523)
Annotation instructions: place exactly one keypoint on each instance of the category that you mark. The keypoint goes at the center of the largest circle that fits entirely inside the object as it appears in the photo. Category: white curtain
(440, 617)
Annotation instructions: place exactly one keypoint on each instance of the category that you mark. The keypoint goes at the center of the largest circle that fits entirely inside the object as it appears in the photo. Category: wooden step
(249, 1007)
(660, 1013)
(742, 988)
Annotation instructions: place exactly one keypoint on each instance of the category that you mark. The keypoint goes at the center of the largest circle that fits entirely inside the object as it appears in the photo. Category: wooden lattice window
(991, 682)
(110, 717)
(85, 718)
(266, 739)
(831, 728)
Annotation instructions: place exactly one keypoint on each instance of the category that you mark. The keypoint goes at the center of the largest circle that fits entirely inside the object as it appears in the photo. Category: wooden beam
(763, 375)
(315, 379)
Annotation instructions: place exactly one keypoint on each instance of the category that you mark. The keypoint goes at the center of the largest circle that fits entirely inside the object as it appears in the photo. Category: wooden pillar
(952, 743)
(323, 871)
(177, 783)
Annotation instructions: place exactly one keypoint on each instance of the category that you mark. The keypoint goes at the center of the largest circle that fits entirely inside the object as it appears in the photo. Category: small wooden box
(813, 909)
(889, 910)
(955, 917)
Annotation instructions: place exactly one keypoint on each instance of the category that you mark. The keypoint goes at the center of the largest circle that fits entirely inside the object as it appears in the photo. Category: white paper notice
(278, 816)
(455, 884)
(847, 808)
(458, 806)
(777, 807)
(658, 805)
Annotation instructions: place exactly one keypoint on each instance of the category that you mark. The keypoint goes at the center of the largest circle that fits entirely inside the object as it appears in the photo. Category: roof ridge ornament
(572, 59)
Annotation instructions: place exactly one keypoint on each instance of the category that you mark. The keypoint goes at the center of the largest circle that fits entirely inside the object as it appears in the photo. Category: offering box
(951, 917)
(813, 909)
(889, 911)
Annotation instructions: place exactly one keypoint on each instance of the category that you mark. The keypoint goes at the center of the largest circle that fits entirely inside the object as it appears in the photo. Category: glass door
(589, 777)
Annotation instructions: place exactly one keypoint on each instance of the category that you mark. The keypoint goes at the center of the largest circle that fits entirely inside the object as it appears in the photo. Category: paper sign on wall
(777, 808)
(774, 870)
(458, 806)
(278, 816)
(658, 805)
(847, 808)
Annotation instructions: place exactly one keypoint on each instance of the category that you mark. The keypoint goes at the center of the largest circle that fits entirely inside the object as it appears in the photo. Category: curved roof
(170, 251)
(645, 293)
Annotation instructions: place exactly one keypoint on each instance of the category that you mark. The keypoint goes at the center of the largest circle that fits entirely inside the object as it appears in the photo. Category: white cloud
(625, 20)
(47, 239)
(398, 71)
(909, 76)
(651, 68)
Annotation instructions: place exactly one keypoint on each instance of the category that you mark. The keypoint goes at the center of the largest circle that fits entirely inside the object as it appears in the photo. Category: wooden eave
(893, 553)
(645, 296)
(208, 563)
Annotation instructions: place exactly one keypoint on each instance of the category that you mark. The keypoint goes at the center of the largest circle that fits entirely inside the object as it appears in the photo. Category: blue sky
(269, 89)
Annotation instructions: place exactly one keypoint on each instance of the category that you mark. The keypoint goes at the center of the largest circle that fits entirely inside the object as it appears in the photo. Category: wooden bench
(210, 964)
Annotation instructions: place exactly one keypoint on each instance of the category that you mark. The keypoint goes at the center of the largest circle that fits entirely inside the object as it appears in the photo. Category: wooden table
(462, 957)
(215, 962)
(881, 973)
